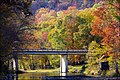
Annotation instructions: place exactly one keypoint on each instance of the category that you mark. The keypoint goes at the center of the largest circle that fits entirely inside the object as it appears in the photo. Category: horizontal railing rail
(52, 51)
(45, 51)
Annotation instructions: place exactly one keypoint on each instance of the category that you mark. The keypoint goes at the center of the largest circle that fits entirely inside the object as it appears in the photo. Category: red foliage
(44, 36)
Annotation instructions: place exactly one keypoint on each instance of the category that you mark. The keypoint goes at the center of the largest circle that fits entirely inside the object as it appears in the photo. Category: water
(54, 76)
(35, 75)
(39, 76)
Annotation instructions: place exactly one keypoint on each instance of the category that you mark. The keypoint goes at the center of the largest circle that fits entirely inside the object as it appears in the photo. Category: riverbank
(72, 69)
(41, 70)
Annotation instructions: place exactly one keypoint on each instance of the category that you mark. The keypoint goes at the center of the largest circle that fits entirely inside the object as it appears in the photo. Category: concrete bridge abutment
(63, 64)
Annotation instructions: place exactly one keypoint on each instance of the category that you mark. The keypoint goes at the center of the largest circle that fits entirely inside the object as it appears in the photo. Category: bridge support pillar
(13, 64)
(63, 64)
(16, 63)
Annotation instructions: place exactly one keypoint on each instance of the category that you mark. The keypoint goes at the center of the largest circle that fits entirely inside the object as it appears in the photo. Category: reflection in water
(11, 77)
(35, 75)
(55, 76)
(38, 76)
(63, 74)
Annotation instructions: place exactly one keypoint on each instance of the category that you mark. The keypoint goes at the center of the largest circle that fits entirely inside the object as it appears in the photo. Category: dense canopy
(60, 24)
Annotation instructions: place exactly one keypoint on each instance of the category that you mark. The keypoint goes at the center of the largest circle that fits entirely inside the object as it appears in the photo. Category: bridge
(49, 52)
(63, 56)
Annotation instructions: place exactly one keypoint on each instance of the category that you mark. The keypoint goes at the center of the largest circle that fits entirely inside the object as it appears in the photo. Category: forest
(92, 27)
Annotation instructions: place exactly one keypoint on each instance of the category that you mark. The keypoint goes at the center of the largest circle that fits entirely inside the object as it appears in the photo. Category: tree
(95, 55)
(54, 61)
(106, 25)
(72, 31)
(12, 14)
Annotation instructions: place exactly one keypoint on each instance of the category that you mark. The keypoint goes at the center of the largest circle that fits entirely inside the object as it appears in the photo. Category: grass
(74, 69)
(70, 69)
(42, 70)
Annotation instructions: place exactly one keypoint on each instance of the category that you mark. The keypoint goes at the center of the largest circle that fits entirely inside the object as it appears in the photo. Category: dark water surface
(41, 76)
(55, 76)
(38, 76)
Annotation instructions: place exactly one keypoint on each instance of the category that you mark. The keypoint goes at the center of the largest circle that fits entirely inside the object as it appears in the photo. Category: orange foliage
(105, 26)
(95, 29)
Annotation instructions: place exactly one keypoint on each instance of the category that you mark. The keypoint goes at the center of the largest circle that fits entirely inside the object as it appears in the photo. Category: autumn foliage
(106, 26)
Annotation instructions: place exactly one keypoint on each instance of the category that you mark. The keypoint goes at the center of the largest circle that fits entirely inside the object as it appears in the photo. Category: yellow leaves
(36, 34)
(42, 11)
(85, 12)
(54, 31)
(60, 14)
(48, 45)
(52, 21)
(51, 34)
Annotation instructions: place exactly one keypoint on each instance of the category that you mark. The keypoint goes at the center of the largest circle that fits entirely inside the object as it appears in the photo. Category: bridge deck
(51, 52)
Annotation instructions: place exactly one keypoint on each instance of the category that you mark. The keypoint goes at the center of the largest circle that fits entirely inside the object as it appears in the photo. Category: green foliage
(55, 61)
(56, 37)
(96, 54)
(69, 29)
(74, 69)
(29, 62)
(75, 28)
(96, 5)
(66, 29)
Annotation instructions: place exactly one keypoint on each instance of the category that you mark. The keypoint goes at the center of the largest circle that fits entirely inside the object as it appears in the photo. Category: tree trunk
(116, 67)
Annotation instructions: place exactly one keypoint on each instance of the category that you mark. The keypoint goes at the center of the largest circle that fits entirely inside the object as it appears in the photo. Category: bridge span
(49, 52)
(63, 56)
